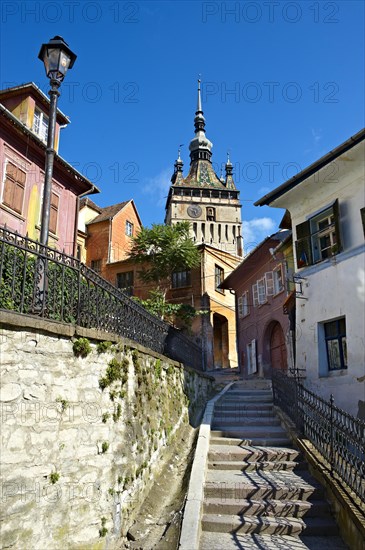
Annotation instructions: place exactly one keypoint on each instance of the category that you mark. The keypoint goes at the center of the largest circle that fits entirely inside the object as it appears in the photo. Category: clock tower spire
(210, 202)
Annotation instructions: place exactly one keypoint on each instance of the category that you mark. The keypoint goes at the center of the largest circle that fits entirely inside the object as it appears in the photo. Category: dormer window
(40, 124)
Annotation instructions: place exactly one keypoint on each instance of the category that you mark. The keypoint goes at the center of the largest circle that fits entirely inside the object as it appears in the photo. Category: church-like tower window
(211, 232)
(195, 230)
(219, 232)
(211, 214)
(203, 232)
(226, 232)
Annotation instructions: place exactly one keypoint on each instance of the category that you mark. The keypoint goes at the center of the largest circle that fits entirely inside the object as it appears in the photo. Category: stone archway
(278, 352)
(220, 341)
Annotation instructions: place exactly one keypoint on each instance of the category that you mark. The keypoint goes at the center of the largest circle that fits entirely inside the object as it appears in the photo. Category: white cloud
(158, 186)
(254, 231)
(317, 135)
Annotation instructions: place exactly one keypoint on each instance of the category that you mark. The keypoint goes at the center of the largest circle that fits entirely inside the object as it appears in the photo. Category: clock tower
(211, 204)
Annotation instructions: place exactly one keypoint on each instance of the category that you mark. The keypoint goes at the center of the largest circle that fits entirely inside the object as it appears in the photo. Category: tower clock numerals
(194, 211)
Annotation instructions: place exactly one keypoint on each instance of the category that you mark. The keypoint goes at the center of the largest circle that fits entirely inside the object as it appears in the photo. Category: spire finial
(179, 151)
(228, 159)
(199, 104)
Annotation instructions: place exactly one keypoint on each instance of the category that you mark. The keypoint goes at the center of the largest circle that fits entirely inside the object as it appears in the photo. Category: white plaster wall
(330, 293)
(335, 287)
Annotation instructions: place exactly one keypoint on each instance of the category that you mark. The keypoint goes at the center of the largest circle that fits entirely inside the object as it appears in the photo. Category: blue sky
(283, 83)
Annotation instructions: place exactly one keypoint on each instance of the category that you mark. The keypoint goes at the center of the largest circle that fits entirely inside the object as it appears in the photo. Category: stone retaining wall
(83, 437)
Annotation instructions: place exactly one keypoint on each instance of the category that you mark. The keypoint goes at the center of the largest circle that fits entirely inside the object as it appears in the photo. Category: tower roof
(201, 172)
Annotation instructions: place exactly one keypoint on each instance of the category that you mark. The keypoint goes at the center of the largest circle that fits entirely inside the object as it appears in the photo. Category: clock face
(194, 211)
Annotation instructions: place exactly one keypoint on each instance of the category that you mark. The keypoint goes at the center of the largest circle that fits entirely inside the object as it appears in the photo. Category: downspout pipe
(91, 191)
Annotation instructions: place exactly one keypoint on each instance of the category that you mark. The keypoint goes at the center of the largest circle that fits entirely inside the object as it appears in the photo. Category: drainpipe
(237, 327)
(91, 191)
(109, 240)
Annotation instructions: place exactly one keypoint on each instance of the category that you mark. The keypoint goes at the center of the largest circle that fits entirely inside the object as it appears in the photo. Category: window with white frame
(243, 307)
(259, 292)
(318, 238)
(40, 124)
(14, 186)
(278, 279)
(129, 228)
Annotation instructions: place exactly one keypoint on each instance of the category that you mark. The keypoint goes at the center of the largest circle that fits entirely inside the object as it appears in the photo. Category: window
(278, 279)
(362, 213)
(40, 125)
(335, 338)
(53, 215)
(181, 279)
(243, 308)
(125, 282)
(96, 265)
(14, 186)
(219, 277)
(319, 237)
(129, 228)
(78, 252)
(211, 214)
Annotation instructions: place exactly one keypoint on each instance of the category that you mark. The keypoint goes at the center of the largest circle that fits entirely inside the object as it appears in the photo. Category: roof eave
(311, 169)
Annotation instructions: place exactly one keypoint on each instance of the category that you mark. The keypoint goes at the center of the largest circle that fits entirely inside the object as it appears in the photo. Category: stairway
(258, 492)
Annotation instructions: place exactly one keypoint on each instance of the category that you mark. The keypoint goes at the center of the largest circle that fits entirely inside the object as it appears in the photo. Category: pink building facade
(260, 283)
(23, 134)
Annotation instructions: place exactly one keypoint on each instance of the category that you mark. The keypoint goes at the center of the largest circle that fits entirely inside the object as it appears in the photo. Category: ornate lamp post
(57, 58)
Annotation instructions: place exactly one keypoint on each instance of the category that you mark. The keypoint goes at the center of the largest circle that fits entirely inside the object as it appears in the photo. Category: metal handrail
(42, 281)
(337, 435)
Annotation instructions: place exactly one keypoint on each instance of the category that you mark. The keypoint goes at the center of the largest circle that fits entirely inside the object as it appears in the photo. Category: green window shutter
(303, 245)
(336, 215)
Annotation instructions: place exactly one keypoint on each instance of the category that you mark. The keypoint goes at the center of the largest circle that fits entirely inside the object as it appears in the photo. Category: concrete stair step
(236, 541)
(232, 449)
(254, 384)
(259, 485)
(247, 398)
(251, 431)
(267, 507)
(249, 391)
(244, 466)
(249, 524)
(253, 441)
(238, 420)
(242, 408)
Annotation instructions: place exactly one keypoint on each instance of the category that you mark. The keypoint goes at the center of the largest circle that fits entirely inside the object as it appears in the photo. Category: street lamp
(57, 58)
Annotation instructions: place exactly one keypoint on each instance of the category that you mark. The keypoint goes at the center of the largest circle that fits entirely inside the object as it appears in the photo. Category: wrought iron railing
(182, 348)
(41, 281)
(337, 435)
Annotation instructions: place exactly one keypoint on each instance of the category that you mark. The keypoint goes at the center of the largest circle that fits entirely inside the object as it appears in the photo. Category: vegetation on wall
(81, 347)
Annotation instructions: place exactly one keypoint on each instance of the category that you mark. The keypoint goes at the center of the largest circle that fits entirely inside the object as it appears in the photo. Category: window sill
(180, 287)
(279, 292)
(334, 373)
(13, 212)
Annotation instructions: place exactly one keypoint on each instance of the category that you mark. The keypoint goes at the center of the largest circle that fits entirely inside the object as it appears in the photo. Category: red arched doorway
(278, 353)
